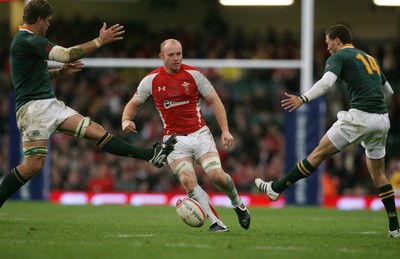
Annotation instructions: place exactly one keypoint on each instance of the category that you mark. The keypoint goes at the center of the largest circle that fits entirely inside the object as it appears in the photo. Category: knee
(316, 158)
(31, 167)
(94, 131)
(214, 171)
(186, 175)
(188, 181)
(34, 168)
(218, 176)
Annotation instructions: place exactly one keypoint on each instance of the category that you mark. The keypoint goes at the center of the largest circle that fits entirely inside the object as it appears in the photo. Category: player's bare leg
(212, 166)
(34, 157)
(184, 170)
(301, 170)
(224, 183)
(83, 127)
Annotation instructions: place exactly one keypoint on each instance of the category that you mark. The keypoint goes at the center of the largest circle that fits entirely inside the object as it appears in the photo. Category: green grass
(44, 230)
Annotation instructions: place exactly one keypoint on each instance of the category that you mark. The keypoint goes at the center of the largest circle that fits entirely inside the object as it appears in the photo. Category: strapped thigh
(183, 166)
(81, 128)
(35, 151)
(211, 163)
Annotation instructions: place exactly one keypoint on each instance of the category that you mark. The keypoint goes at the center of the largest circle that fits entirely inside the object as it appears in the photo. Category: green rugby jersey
(361, 77)
(29, 72)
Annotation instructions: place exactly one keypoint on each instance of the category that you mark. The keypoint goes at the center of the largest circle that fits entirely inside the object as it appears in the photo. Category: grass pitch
(44, 230)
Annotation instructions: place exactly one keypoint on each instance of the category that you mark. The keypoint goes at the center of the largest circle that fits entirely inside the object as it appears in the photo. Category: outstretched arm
(67, 69)
(106, 36)
(293, 102)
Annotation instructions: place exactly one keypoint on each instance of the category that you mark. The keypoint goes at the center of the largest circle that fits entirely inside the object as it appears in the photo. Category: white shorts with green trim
(355, 126)
(37, 120)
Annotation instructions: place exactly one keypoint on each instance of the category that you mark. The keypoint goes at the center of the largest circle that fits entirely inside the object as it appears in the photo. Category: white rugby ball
(190, 212)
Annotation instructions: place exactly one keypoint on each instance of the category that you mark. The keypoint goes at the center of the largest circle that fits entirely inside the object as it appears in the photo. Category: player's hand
(71, 68)
(227, 139)
(111, 34)
(128, 127)
(291, 103)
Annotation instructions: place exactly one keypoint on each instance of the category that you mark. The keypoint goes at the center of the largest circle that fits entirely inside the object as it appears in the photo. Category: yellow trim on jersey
(348, 45)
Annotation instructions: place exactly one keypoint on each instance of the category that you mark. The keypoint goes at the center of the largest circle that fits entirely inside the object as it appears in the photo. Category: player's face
(333, 45)
(44, 24)
(172, 57)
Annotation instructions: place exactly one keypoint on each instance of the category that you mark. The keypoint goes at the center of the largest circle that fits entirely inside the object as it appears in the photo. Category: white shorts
(193, 145)
(355, 126)
(37, 120)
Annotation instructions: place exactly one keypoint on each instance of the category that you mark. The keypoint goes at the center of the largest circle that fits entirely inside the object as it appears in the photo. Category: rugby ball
(190, 212)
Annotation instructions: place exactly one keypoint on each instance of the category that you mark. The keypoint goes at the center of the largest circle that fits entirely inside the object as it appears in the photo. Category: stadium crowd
(251, 98)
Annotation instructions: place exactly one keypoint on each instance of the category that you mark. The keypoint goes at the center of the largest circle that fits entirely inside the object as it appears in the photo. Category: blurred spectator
(330, 184)
(100, 178)
(126, 182)
(74, 181)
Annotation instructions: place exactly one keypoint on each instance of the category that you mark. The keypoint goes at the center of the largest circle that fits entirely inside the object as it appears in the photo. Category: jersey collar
(24, 28)
(348, 45)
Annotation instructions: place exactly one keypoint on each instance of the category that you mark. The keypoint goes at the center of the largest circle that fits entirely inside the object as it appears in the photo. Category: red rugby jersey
(177, 97)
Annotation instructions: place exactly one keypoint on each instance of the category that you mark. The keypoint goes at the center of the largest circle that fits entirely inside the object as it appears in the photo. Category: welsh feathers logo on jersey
(186, 85)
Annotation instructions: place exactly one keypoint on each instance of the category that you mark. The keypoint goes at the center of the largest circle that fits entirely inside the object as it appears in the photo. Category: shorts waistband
(201, 130)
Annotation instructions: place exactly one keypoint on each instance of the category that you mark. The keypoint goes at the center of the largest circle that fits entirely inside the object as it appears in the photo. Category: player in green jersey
(367, 121)
(39, 113)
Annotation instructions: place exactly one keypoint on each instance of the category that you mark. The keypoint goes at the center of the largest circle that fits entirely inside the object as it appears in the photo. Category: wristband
(125, 118)
(303, 98)
(98, 42)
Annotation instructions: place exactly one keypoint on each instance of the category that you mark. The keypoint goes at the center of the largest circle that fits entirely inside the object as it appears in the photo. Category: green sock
(386, 194)
(10, 184)
(119, 147)
(302, 170)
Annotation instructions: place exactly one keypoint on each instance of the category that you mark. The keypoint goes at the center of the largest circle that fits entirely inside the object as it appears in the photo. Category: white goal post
(304, 64)
(201, 63)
